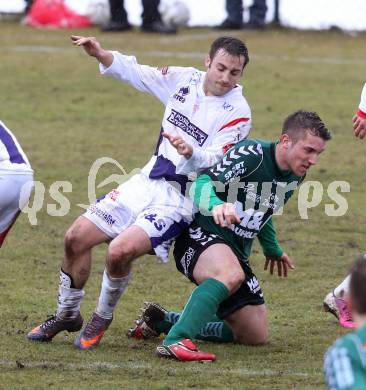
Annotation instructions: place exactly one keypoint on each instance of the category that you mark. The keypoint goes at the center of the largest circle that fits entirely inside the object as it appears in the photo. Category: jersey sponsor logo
(102, 214)
(181, 93)
(185, 261)
(236, 170)
(253, 285)
(201, 237)
(181, 121)
(228, 107)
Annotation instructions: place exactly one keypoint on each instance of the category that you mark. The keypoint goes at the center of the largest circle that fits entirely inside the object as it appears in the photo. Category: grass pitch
(66, 116)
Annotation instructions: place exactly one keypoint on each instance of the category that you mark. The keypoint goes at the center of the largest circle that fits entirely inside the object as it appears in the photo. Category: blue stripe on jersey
(160, 140)
(174, 230)
(164, 168)
(14, 154)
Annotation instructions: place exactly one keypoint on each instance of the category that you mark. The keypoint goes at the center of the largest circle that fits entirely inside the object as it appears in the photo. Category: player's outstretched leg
(46, 331)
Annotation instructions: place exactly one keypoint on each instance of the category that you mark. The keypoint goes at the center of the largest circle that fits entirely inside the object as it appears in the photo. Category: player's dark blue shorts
(188, 248)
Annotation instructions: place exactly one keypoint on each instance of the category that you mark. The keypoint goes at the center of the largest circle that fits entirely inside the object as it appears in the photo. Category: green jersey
(249, 177)
(345, 362)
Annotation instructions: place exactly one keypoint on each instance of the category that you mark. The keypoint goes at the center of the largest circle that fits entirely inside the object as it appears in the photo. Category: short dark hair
(300, 122)
(358, 285)
(232, 46)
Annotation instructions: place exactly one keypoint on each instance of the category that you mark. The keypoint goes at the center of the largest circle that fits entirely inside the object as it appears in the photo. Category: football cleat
(339, 308)
(144, 327)
(94, 330)
(184, 351)
(345, 315)
(330, 305)
(55, 324)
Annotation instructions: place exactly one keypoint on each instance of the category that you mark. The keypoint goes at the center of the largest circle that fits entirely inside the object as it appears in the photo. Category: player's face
(223, 73)
(303, 154)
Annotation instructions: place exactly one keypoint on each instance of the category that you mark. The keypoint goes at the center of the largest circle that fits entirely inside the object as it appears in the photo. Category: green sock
(200, 308)
(216, 330)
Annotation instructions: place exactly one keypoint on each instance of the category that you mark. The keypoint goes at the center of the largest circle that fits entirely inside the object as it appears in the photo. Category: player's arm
(157, 82)
(93, 48)
(232, 131)
(274, 254)
(359, 119)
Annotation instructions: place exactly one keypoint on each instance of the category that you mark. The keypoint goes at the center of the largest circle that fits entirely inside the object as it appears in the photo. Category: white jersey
(12, 158)
(211, 124)
(362, 106)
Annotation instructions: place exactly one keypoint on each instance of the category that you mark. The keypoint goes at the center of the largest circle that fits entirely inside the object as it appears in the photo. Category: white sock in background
(112, 289)
(343, 288)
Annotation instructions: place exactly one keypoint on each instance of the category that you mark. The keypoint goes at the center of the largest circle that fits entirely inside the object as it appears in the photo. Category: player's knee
(120, 254)
(260, 337)
(73, 242)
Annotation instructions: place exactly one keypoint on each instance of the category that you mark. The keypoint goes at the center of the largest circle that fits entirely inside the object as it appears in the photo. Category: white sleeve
(228, 135)
(362, 105)
(160, 83)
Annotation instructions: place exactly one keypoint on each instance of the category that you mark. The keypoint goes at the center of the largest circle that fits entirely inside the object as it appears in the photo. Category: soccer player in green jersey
(345, 361)
(237, 198)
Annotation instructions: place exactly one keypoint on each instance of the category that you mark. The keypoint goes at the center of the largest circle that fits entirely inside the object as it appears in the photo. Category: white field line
(183, 368)
(194, 55)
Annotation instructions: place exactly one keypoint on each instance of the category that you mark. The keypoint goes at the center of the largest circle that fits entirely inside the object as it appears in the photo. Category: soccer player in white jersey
(335, 301)
(359, 119)
(16, 180)
(205, 115)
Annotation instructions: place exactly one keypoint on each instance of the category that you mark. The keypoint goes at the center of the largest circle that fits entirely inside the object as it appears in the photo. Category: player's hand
(93, 48)
(183, 147)
(90, 44)
(283, 263)
(359, 126)
(225, 215)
